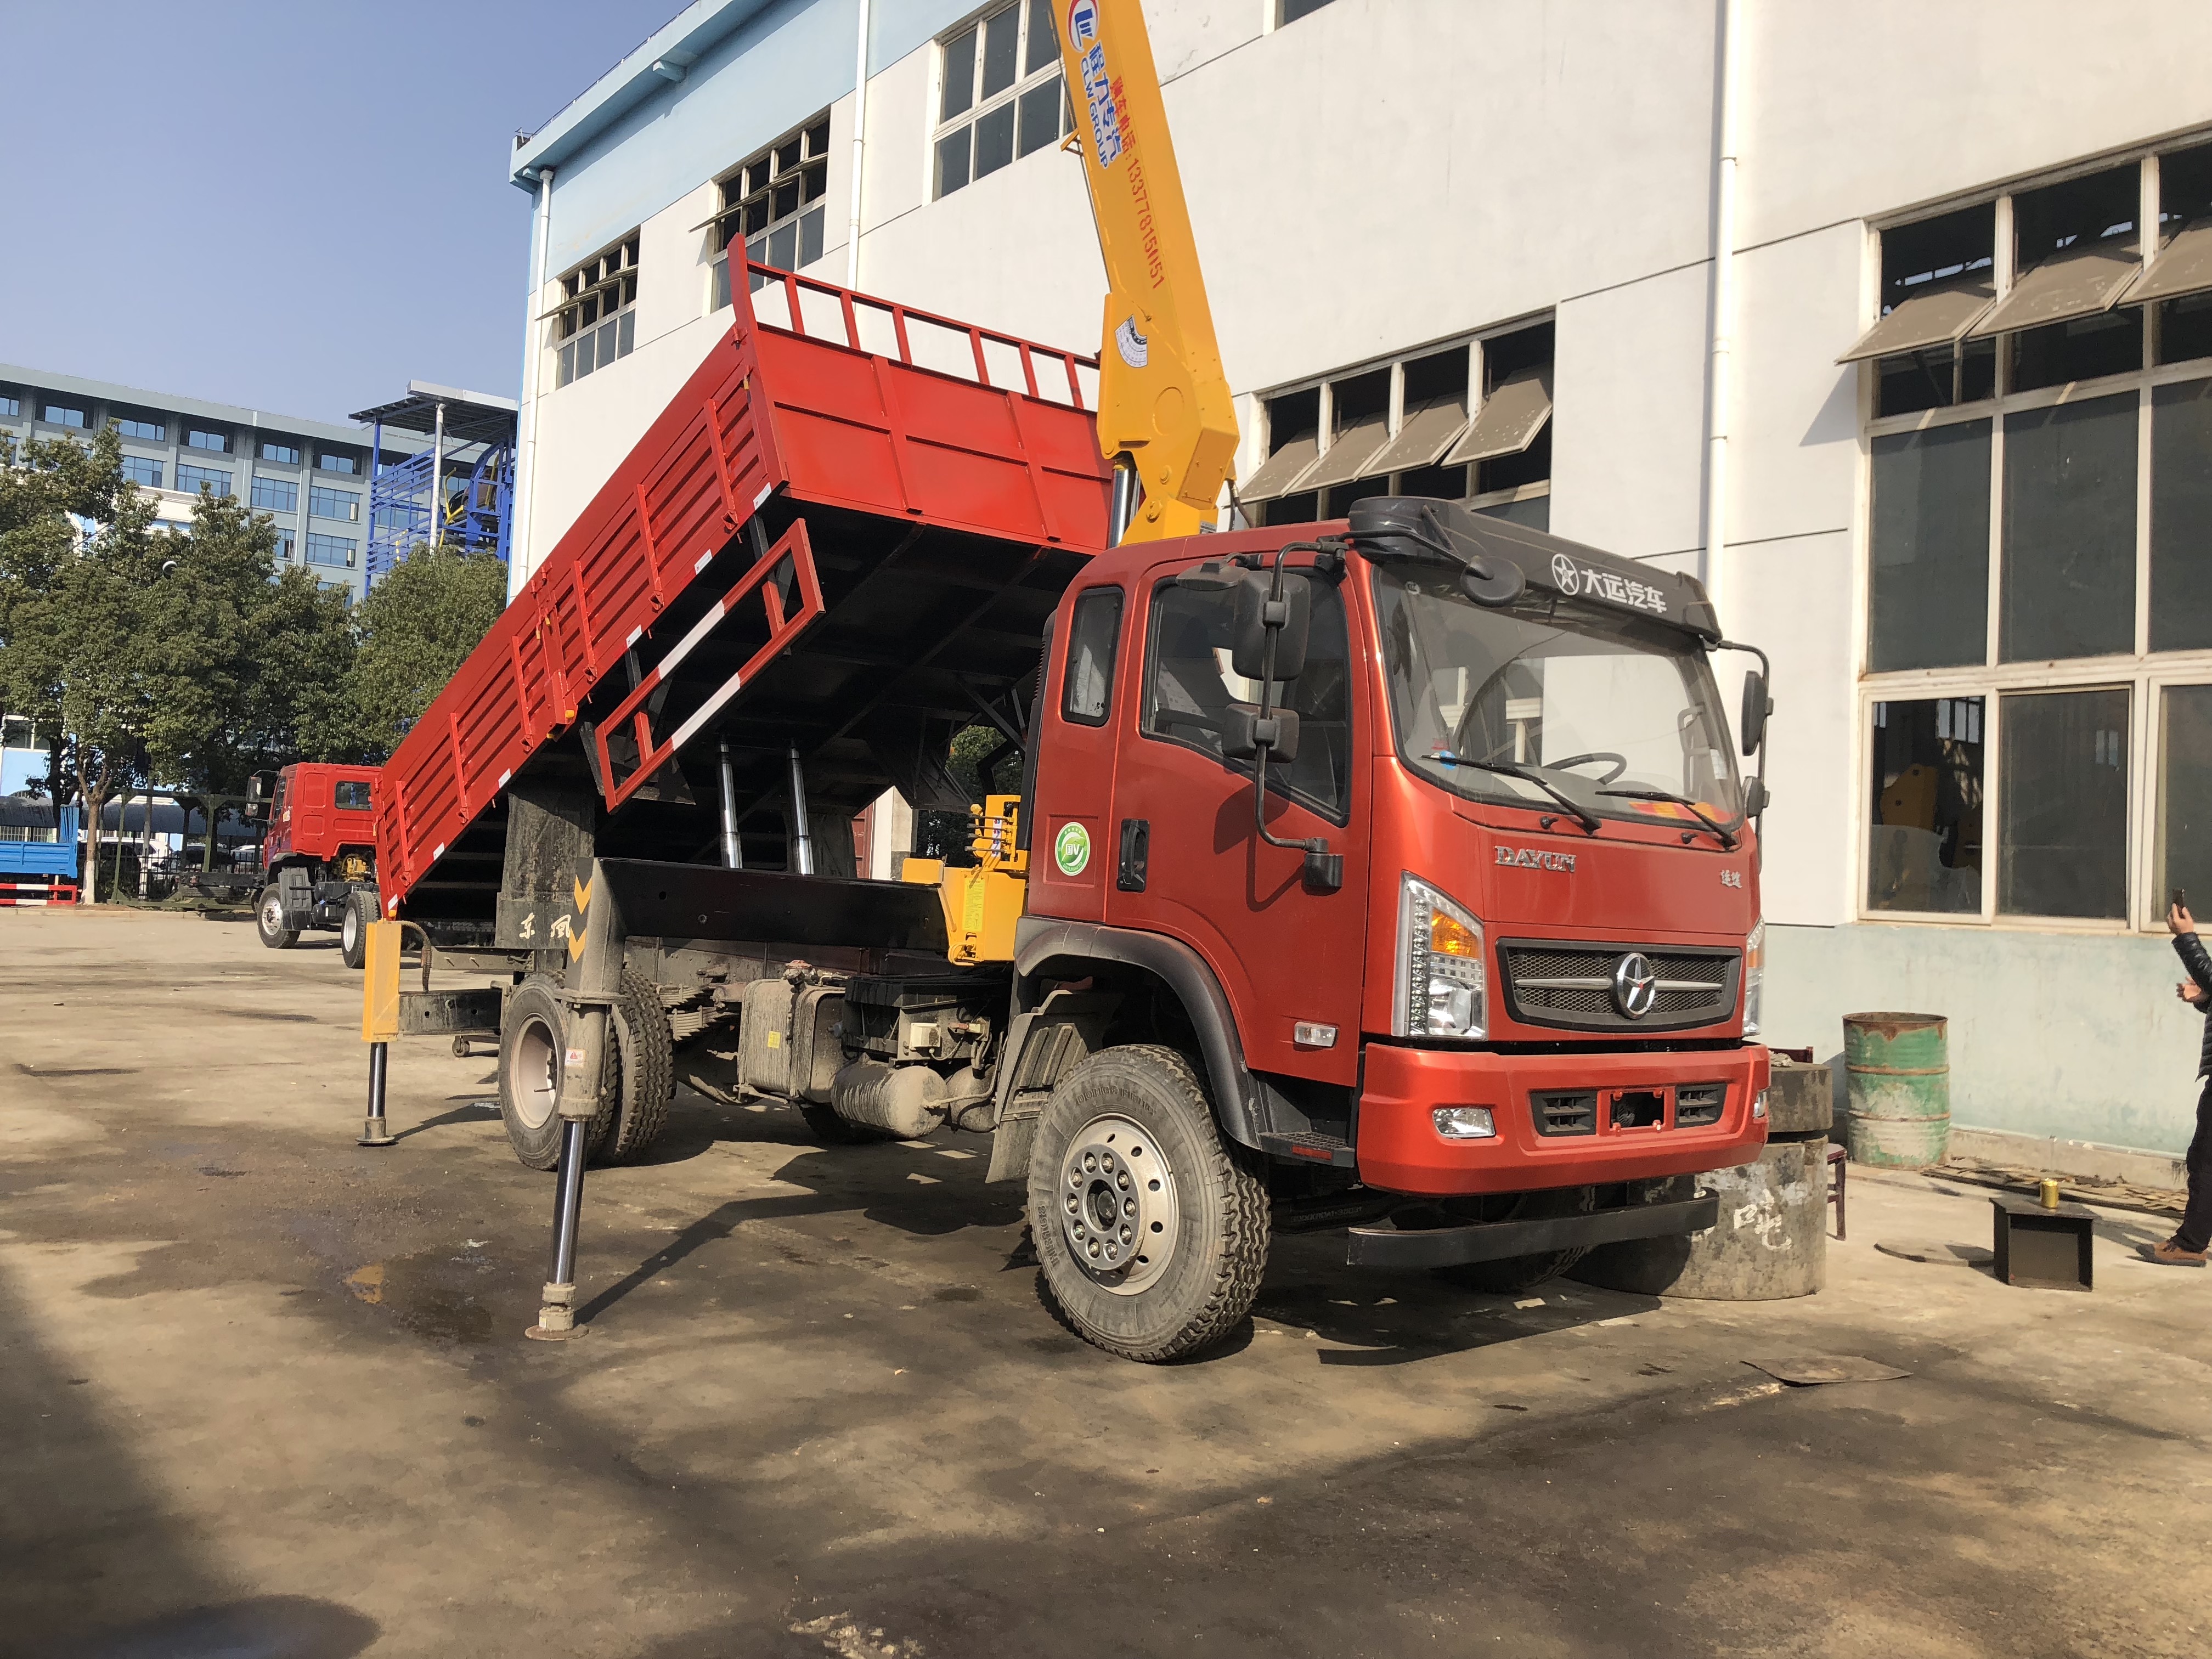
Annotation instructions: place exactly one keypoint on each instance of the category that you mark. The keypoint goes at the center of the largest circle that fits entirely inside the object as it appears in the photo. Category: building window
(192, 480)
(2062, 805)
(326, 462)
(597, 322)
(284, 546)
(151, 431)
(286, 453)
(334, 551)
(276, 496)
(1468, 423)
(1926, 844)
(2035, 398)
(774, 203)
(1000, 97)
(62, 415)
(142, 472)
(10, 405)
(216, 442)
(326, 503)
(1289, 11)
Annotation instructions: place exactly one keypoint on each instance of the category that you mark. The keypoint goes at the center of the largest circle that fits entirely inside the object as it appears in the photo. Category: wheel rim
(272, 915)
(534, 1078)
(350, 932)
(1118, 1207)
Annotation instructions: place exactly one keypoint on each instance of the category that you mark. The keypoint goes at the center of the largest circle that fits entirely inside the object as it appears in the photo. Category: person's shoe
(2172, 1255)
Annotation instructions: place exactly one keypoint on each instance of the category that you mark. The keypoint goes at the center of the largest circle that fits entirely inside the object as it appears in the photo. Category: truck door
(1070, 861)
(1187, 859)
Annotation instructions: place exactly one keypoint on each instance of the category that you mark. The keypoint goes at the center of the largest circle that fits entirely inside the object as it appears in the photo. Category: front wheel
(268, 919)
(353, 931)
(1151, 1230)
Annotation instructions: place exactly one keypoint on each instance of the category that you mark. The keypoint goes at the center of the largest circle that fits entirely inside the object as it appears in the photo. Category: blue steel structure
(458, 492)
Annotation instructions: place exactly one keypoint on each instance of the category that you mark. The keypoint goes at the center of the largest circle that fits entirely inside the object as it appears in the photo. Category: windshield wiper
(1582, 816)
(1728, 841)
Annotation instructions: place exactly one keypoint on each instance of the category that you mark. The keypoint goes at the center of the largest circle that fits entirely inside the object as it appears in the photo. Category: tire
(1124, 1113)
(1517, 1274)
(533, 1037)
(269, 920)
(353, 929)
(644, 1078)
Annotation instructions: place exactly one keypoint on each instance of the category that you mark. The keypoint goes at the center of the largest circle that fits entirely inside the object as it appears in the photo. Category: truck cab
(319, 853)
(1487, 948)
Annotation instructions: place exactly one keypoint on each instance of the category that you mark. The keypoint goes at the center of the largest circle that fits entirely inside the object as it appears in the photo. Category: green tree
(246, 663)
(417, 626)
(77, 554)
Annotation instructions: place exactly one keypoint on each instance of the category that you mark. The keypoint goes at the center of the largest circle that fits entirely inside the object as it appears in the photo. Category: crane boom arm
(1163, 399)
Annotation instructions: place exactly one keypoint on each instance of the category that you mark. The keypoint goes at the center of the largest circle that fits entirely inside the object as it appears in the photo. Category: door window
(1190, 682)
(1093, 641)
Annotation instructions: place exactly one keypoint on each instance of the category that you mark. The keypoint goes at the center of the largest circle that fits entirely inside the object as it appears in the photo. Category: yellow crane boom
(1163, 400)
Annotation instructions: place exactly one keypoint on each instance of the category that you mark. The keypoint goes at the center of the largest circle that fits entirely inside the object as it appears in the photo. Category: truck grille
(1547, 983)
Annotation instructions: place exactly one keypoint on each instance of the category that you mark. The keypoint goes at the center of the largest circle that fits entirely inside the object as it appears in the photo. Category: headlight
(1440, 974)
(1754, 976)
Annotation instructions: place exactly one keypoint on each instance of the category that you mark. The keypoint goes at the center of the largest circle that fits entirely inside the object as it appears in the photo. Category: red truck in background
(317, 854)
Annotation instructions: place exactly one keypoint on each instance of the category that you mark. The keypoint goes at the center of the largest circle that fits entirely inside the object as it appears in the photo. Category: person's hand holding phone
(2178, 919)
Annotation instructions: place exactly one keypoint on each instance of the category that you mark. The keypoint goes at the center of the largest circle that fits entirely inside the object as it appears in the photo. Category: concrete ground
(266, 1394)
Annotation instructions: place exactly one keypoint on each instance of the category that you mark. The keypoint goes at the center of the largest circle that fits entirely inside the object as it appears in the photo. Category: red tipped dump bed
(767, 564)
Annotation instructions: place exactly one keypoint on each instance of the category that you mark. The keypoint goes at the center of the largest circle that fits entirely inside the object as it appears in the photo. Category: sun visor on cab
(1392, 527)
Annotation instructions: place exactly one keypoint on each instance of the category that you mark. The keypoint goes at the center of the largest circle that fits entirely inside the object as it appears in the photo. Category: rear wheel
(533, 1038)
(268, 919)
(1151, 1230)
(645, 1075)
(353, 931)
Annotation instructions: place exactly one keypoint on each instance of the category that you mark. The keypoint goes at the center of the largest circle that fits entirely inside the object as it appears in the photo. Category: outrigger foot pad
(556, 1318)
(375, 1132)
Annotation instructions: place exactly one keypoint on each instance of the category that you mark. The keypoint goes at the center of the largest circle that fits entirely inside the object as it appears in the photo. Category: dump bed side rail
(828, 397)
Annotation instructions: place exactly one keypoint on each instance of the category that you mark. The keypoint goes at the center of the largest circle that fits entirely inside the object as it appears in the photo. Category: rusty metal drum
(1898, 1069)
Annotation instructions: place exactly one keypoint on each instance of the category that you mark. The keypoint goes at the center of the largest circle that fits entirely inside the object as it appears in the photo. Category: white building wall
(1385, 174)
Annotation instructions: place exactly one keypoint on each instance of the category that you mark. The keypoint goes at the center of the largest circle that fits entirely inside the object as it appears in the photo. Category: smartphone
(2180, 898)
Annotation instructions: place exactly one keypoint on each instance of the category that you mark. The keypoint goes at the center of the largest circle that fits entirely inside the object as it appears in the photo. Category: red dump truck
(1392, 874)
(1470, 965)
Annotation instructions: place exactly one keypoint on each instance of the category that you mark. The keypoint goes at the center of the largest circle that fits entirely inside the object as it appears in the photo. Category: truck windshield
(1603, 706)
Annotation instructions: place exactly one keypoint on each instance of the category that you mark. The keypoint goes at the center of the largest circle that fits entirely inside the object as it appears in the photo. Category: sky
(295, 208)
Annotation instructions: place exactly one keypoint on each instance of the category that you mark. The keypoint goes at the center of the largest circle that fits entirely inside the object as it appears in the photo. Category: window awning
(1509, 420)
(1937, 314)
(1347, 458)
(2183, 266)
(2080, 282)
(1426, 432)
(1280, 471)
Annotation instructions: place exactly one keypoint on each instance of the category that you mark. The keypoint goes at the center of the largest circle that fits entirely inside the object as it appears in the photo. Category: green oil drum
(1898, 1067)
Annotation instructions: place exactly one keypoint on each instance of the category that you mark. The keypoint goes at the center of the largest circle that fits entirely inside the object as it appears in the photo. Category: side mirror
(1256, 616)
(1752, 725)
(1754, 798)
(1242, 732)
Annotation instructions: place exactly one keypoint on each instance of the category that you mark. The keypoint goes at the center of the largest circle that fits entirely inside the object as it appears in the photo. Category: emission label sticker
(1070, 849)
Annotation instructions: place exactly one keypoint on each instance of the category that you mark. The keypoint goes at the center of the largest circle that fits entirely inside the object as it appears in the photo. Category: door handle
(1136, 854)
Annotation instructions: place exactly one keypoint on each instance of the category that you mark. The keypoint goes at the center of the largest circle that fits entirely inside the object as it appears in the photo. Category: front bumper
(1399, 1151)
(1496, 1241)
